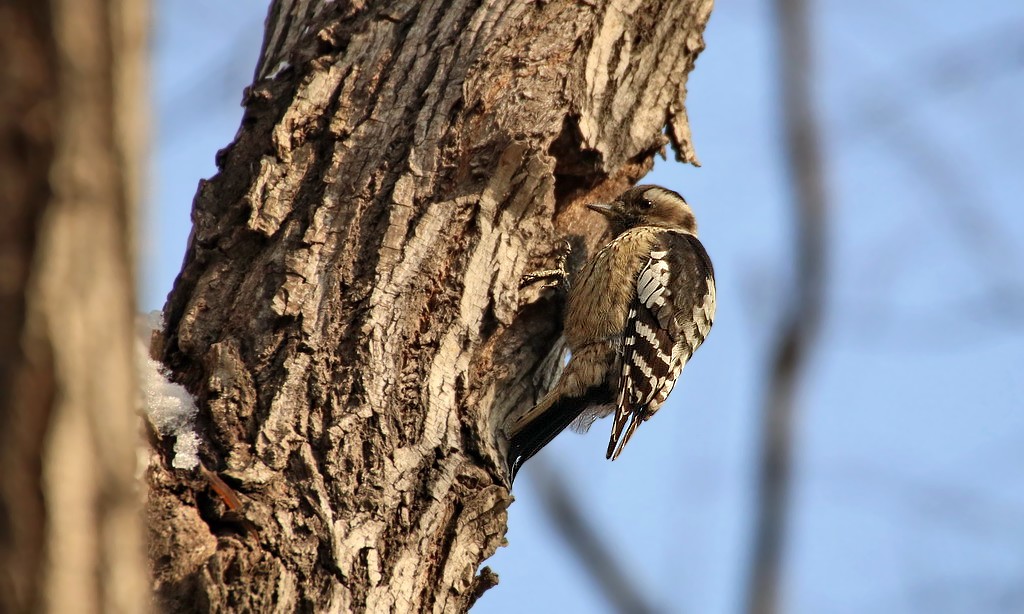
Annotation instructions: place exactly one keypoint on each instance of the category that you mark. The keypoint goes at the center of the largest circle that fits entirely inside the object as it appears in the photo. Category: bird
(634, 315)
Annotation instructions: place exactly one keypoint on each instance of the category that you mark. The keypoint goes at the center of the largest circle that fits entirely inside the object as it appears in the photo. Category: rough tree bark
(348, 315)
(71, 134)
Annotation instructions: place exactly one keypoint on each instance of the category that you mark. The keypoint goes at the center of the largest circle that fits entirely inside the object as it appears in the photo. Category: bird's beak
(603, 209)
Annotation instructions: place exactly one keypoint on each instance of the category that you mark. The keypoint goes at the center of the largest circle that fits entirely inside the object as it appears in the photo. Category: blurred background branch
(585, 541)
(802, 317)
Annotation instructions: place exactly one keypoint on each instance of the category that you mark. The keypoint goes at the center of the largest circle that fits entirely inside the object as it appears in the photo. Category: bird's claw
(557, 276)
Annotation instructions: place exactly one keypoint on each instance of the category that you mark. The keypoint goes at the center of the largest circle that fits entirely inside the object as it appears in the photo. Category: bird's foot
(556, 277)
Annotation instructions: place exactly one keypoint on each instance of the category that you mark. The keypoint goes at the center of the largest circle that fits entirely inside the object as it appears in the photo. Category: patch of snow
(168, 406)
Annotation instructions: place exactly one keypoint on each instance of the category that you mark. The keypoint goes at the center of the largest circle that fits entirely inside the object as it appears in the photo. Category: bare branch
(583, 541)
(803, 315)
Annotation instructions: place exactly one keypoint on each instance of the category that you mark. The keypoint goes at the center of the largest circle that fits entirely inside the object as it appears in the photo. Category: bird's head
(648, 205)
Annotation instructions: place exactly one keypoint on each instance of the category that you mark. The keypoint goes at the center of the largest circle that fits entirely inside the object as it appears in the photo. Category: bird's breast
(600, 297)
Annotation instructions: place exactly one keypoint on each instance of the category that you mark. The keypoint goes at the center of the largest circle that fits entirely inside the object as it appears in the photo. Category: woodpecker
(635, 313)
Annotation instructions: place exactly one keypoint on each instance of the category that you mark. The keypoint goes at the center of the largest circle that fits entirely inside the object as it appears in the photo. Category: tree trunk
(348, 316)
(70, 161)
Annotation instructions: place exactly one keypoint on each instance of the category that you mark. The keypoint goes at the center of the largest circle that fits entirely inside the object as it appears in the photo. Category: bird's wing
(669, 317)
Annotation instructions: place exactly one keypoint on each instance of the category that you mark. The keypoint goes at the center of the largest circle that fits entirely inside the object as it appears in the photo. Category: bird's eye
(645, 203)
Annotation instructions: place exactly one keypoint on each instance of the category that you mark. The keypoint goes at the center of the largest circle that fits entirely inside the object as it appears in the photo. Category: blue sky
(909, 495)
